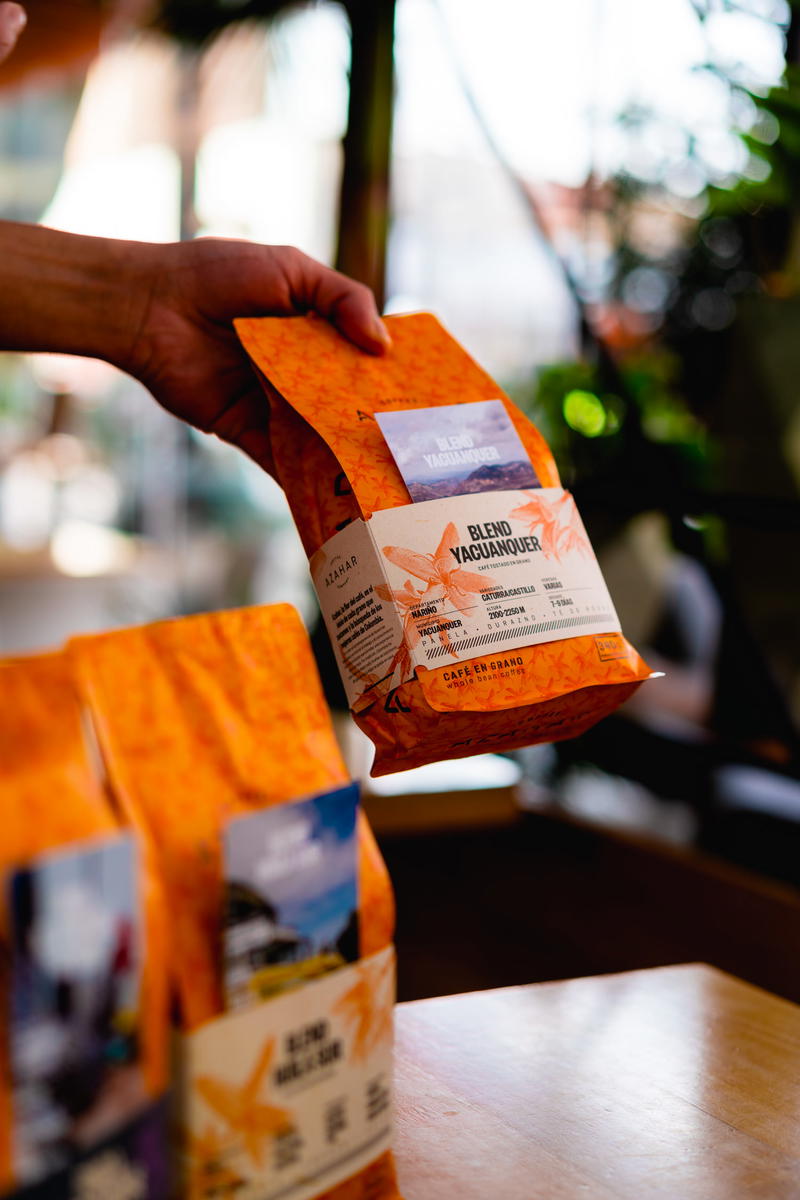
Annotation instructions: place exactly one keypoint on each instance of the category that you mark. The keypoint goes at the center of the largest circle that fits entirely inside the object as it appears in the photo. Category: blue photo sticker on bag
(291, 895)
(457, 450)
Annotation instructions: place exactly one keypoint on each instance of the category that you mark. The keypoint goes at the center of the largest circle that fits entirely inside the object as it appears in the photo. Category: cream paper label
(441, 582)
(286, 1100)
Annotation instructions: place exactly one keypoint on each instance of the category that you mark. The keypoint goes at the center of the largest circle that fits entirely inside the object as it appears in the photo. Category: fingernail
(380, 332)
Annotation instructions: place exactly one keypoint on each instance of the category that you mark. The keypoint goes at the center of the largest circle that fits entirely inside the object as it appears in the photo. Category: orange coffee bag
(337, 469)
(48, 795)
(202, 719)
(53, 800)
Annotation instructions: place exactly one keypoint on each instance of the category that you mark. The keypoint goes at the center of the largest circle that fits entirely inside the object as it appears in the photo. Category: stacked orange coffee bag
(203, 722)
(177, 812)
(84, 987)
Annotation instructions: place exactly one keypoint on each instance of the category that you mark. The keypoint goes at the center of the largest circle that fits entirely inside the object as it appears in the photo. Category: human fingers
(348, 305)
(13, 20)
(244, 422)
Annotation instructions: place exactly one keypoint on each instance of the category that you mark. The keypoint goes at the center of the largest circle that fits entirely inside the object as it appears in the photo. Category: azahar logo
(340, 568)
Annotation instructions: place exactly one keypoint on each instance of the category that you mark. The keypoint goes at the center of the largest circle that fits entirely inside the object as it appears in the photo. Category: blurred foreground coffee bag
(83, 1041)
(202, 719)
(462, 597)
(220, 752)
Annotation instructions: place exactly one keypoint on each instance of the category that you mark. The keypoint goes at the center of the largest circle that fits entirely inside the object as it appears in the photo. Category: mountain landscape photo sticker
(291, 894)
(457, 450)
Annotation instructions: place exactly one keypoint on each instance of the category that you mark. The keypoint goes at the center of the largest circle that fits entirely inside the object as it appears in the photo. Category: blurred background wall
(599, 198)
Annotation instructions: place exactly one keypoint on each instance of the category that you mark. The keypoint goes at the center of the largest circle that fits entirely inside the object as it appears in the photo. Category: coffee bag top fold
(49, 793)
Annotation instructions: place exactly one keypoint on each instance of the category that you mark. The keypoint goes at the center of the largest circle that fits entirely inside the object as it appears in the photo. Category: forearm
(164, 314)
(65, 294)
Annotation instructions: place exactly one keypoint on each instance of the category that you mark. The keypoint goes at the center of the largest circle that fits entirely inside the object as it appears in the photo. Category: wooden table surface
(677, 1082)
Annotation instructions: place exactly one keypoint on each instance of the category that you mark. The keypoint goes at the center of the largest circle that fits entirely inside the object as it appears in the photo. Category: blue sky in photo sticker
(412, 434)
(302, 858)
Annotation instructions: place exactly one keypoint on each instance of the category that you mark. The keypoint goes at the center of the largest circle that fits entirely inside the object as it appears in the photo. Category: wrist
(74, 294)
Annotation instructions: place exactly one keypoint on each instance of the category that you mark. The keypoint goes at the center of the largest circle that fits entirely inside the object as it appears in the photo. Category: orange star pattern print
(335, 466)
